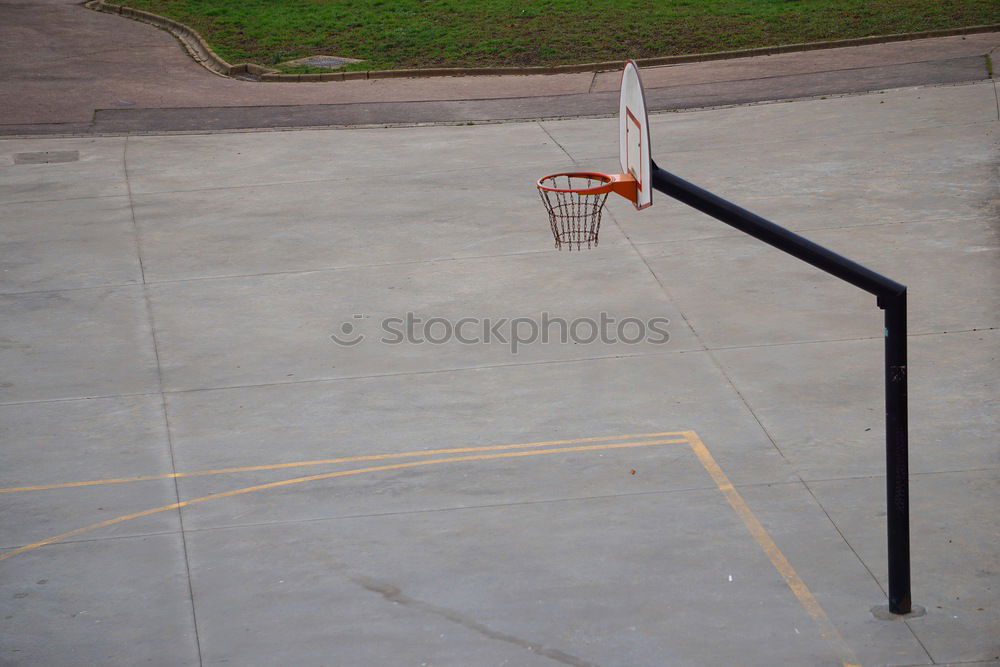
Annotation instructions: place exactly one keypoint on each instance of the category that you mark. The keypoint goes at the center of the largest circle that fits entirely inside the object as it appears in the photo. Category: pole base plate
(882, 613)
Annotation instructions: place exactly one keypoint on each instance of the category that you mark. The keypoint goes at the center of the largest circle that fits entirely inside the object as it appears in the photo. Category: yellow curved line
(348, 459)
(329, 475)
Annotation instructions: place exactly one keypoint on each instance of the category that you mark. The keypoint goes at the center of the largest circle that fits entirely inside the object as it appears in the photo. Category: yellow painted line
(349, 459)
(331, 475)
(792, 579)
(778, 560)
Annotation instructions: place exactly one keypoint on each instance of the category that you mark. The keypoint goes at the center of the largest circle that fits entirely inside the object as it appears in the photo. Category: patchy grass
(390, 34)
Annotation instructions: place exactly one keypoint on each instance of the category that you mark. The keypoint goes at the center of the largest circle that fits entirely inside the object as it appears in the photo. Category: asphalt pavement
(68, 69)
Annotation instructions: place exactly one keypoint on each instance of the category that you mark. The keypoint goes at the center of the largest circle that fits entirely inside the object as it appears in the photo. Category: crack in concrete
(393, 594)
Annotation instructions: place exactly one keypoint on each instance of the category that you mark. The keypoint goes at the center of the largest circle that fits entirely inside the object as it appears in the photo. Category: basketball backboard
(633, 130)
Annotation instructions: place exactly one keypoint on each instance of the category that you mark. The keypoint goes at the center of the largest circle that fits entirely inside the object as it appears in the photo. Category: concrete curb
(192, 42)
(202, 53)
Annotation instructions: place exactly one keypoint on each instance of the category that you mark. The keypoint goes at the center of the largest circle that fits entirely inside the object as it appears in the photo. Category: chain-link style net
(575, 216)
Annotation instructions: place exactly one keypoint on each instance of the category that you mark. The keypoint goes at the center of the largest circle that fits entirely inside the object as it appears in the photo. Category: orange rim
(592, 175)
(622, 184)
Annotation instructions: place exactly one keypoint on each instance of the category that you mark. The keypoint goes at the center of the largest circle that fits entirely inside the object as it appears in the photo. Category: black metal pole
(774, 235)
(896, 455)
(892, 298)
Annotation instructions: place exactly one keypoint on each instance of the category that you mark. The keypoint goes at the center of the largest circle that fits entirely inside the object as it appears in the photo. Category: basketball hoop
(574, 202)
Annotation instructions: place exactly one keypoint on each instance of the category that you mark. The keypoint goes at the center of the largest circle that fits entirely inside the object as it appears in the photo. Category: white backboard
(633, 127)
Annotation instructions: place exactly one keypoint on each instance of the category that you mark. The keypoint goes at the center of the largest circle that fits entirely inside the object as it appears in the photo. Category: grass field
(389, 34)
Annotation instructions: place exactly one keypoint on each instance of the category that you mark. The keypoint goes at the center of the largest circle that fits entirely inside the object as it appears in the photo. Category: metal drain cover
(329, 62)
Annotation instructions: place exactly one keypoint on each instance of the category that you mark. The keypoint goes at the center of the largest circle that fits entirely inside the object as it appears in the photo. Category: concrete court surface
(167, 311)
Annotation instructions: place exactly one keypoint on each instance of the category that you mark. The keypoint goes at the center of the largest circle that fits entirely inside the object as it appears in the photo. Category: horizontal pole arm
(775, 235)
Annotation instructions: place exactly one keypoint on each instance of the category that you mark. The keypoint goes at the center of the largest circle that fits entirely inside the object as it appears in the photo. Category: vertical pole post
(897, 464)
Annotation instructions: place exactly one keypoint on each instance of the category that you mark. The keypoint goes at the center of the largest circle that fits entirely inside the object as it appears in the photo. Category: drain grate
(328, 62)
(46, 157)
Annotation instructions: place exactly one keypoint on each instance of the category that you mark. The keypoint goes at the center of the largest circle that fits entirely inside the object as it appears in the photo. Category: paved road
(71, 70)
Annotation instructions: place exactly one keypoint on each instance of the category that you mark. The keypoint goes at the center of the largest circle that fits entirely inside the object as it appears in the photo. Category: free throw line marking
(784, 568)
(792, 579)
(331, 475)
(348, 459)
